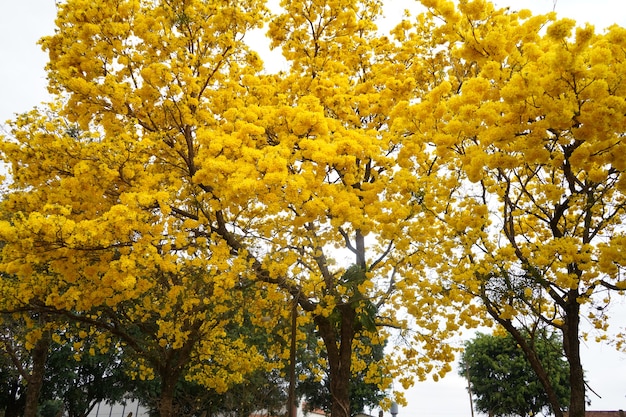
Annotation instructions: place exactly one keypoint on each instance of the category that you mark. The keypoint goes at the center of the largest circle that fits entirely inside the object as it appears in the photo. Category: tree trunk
(39, 355)
(338, 343)
(168, 388)
(291, 396)
(571, 345)
(171, 367)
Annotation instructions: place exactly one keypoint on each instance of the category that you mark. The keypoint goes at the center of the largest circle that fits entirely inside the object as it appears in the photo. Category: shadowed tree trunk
(339, 349)
(166, 400)
(39, 355)
(571, 346)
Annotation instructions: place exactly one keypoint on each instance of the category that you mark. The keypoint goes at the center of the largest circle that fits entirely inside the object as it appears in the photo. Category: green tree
(261, 392)
(69, 380)
(502, 380)
(78, 380)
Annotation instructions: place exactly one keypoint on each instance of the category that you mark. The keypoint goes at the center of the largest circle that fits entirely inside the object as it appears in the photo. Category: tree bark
(168, 387)
(339, 348)
(571, 345)
(291, 396)
(39, 355)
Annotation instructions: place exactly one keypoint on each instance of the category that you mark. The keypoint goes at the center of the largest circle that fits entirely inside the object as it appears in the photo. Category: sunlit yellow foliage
(176, 182)
(530, 124)
(103, 219)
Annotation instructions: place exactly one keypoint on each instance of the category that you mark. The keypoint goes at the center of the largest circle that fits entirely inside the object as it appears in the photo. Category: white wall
(119, 410)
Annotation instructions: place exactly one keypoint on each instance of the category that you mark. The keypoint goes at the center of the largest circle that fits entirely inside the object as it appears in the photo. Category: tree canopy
(529, 119)
(172, 175)
(502, 381)
(175, 188)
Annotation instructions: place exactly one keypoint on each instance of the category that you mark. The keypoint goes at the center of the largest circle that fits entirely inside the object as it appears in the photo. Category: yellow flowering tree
(529, 117)
(173, 174)
(109, 274)
(88, 238)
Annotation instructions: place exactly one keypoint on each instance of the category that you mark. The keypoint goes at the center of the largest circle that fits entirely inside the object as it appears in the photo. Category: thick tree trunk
(168, 387)
(338, 343)
(571, 345)
(340, 392)
(171, 367)
(39, 355)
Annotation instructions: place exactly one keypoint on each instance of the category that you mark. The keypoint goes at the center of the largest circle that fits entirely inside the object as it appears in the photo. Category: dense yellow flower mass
(532, 127)
(381, 180)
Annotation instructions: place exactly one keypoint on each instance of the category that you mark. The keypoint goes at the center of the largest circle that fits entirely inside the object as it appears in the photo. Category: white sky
(23, 85)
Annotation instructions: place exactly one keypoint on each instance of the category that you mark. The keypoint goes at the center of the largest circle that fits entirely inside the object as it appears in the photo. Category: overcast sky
(22, 86)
